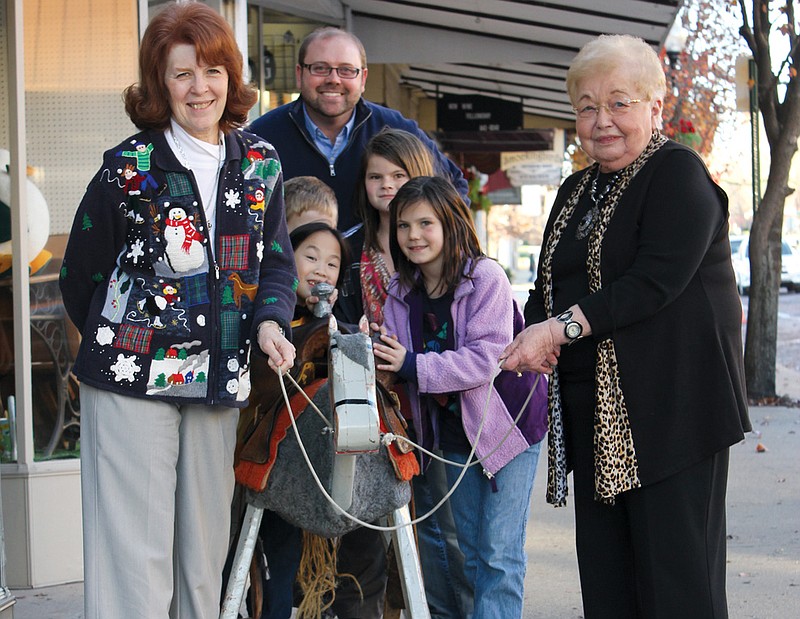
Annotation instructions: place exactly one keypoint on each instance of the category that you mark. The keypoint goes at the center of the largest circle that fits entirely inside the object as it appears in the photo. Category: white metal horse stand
(407, 557)
(237, 581)
(405, 553)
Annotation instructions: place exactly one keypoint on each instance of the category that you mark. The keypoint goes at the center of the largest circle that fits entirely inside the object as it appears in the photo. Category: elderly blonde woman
(635, 313)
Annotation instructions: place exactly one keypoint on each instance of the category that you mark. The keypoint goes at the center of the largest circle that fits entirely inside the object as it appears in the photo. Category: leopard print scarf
(616, 466)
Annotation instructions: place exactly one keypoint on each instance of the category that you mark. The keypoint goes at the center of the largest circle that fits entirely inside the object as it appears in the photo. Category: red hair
(192, 23)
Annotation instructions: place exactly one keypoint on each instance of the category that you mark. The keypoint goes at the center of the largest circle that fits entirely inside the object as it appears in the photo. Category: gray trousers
(157, 483)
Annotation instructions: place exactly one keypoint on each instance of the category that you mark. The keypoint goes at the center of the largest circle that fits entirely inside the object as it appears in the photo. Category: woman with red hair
(172, 280)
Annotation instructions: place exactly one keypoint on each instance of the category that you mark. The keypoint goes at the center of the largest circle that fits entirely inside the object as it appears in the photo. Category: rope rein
(387, 438)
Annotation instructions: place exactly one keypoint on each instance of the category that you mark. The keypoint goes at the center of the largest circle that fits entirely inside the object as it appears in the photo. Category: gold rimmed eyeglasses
(617, 107)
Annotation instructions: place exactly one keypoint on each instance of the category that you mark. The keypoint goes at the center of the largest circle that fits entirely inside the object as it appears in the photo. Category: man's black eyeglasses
(319, 69)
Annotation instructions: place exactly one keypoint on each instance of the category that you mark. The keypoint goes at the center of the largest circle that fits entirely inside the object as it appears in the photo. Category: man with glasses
(324, 132)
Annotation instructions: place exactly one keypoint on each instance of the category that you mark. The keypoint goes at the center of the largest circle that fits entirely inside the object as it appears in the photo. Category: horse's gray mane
(355, 346)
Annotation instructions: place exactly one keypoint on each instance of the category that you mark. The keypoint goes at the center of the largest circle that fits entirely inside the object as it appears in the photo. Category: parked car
(790, 265)
(736, 241)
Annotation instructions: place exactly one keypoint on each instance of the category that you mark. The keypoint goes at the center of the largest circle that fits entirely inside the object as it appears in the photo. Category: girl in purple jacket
(447, 318)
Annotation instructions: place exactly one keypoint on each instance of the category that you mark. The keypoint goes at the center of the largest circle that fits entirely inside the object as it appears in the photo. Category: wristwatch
(572, 328)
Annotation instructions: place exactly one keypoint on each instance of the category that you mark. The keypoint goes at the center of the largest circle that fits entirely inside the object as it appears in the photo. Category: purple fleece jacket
(483, 319)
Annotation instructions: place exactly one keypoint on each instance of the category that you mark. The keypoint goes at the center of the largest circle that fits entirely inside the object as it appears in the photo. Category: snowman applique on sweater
(184, 244)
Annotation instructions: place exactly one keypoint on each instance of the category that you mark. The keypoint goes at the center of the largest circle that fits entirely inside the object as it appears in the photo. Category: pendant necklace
(590, 219)
(185, 157)
(186, 164)
(206, 190)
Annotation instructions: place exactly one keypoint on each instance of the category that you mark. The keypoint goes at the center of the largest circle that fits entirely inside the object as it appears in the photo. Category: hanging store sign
(532, 168)
(477, 113)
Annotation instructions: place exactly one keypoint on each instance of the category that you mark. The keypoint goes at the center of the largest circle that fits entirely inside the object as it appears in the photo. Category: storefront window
(273, 41)
(79, 56)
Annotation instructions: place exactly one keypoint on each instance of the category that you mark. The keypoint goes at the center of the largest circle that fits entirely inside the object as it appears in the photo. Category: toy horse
(344, 447)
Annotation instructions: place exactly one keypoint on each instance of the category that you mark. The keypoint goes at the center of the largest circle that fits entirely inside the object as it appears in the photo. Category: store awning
(514, 50)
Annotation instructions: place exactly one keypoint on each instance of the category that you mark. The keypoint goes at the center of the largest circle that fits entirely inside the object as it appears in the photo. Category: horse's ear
(363, 325)
(333, 326)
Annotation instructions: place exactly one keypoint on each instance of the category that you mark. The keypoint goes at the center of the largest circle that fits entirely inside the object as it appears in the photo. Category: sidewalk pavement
(763, 533)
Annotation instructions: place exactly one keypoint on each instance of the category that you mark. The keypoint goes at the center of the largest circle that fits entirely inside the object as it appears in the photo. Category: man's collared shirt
(323, 143)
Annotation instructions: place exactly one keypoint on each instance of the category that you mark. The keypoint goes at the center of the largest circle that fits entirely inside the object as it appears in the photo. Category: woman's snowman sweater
(161, 312)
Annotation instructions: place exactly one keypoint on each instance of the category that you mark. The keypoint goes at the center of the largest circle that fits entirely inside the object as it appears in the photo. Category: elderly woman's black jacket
(670, 304)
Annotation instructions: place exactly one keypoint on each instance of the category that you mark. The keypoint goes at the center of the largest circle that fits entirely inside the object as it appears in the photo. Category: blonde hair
(308, 193)
(610, 52)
